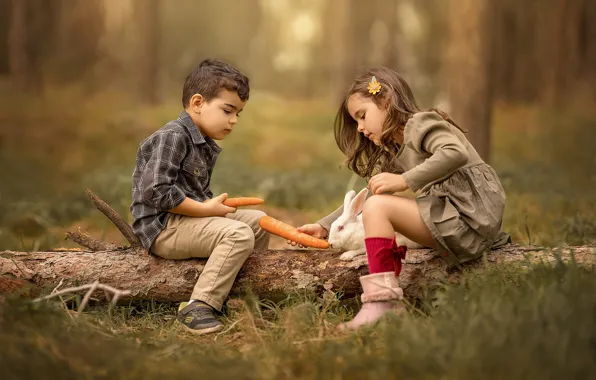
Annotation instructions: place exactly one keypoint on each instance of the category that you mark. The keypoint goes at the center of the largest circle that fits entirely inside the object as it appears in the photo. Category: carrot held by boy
(243, 201)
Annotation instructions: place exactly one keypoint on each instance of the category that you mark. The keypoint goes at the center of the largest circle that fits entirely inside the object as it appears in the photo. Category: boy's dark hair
(212, 75)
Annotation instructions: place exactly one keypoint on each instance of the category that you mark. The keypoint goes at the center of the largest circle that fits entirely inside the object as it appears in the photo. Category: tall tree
(545, 50)
(148, 16)
(76, 44)
(347, 45)
(587, 45)
(468, 71)
(333, 52)
(5, 23)
(19, 61)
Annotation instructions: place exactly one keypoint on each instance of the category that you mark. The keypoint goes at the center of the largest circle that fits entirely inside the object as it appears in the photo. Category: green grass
(506, 322)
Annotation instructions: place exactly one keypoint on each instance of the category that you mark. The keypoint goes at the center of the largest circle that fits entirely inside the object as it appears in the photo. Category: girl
(396, 146)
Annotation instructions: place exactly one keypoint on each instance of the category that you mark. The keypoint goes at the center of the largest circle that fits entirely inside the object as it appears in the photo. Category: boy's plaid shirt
(173, 163)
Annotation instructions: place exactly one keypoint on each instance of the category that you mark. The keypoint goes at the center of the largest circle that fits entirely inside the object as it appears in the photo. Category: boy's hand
(314, 230)
(387, 183)
(215, 206)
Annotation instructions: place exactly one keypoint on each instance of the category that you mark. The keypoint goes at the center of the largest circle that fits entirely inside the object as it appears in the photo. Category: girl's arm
(329, 219)
(321, 228)
(427, 132)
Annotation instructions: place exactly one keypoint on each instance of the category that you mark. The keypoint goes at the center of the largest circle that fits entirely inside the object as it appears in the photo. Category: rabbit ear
(348, 200)
(357, 204)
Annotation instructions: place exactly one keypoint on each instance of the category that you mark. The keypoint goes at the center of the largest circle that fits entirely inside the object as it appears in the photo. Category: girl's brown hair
(363, 156)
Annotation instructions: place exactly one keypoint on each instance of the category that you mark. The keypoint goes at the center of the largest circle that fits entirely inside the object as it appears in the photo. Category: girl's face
(368, 115)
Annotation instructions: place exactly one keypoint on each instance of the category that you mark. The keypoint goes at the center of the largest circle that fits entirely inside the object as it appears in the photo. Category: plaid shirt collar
(195, 134)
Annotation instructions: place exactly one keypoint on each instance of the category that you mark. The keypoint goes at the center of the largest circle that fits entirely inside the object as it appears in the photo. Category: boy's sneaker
(198, 317)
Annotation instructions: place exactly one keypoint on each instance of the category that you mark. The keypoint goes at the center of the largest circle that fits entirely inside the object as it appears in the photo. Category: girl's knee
(375, 205)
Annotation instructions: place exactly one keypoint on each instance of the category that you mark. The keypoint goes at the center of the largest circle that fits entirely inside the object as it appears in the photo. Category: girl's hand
(314, 229)
(387, 183)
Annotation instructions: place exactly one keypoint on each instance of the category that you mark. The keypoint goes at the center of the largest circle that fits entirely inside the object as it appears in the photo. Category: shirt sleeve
(327, 221)
(428, 132)
(159, 176)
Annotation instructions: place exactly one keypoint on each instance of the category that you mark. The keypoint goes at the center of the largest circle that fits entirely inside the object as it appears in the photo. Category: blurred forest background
(83, 82)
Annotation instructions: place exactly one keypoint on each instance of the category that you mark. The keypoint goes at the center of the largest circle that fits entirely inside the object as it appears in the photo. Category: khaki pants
(227, 242)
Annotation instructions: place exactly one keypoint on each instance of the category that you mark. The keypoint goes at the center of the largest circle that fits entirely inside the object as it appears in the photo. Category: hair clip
(374, 86)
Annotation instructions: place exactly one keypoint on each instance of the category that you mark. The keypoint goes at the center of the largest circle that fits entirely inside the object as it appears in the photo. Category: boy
(175, 213)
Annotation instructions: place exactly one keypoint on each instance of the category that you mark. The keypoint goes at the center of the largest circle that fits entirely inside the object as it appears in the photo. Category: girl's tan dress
(460, 197)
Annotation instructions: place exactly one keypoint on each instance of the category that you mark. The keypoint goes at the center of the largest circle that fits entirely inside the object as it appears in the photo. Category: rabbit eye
(340, 228)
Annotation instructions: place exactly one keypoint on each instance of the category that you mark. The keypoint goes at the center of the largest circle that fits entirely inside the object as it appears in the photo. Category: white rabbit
(347, 232)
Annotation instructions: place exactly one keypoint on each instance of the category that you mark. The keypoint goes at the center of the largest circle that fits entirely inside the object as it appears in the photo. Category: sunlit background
(83, 82)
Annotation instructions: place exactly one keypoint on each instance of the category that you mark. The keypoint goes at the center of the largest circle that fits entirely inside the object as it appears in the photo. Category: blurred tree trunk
(359, 47)
(569, 68)
(336, 24)
(57, 40)
(469, 74)
(19, 61)
(382, 33)
(5, 23)
(588, 45)
(388, 10)
(544, 51)
(76, 48)
(148, 16)
(348, 26)
(515, 51)
(555, 71)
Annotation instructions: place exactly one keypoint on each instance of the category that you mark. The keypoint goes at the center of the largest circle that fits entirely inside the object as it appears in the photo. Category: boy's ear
(196, 102)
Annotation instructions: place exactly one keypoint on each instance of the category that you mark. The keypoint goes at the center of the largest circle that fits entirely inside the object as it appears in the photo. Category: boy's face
(217, 117)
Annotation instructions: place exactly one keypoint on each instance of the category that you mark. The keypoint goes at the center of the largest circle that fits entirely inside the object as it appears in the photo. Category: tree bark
(469, 73)
(269, 274)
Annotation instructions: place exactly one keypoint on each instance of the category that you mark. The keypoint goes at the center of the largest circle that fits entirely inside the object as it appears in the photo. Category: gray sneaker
(198, 317)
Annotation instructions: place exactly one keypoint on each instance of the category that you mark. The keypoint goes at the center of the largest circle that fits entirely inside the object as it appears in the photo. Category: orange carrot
(243, 201)
(289, 232)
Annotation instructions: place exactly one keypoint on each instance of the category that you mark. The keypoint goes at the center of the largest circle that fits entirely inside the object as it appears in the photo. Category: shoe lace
(203, 312)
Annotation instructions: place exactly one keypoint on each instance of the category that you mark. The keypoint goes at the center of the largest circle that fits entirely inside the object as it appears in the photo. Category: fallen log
(269, 274)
